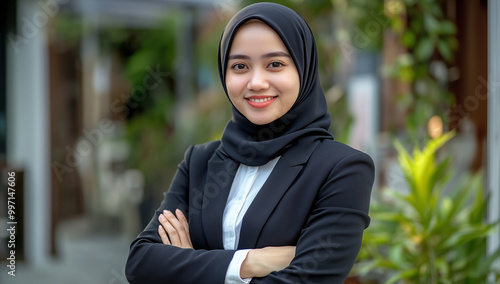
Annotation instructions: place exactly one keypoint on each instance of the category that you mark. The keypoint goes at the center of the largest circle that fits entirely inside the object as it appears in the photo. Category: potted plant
(432, 233)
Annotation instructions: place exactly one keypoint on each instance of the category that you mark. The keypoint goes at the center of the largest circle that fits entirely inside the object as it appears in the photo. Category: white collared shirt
(246, 185)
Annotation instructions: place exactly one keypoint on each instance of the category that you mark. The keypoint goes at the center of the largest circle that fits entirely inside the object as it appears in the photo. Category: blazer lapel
(266, 200)
(220, 176)
(280, 180)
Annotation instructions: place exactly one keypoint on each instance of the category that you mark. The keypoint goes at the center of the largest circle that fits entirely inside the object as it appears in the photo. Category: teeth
(261, 100)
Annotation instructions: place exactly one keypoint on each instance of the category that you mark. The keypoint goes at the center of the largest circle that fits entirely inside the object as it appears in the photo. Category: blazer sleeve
(151, 261)
(329, 243)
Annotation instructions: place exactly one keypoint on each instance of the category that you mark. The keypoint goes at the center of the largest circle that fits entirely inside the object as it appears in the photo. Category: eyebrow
(267, 55)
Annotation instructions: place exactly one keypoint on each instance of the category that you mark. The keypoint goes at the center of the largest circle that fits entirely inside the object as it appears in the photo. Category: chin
(258, 122)
(261, 121)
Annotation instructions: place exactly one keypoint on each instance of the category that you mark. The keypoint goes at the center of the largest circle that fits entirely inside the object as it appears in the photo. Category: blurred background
(99, 99)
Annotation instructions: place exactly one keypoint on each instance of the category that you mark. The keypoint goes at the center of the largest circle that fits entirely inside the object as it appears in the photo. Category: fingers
(176, 230)
(163, 235)
(182, 219)
(169, 230)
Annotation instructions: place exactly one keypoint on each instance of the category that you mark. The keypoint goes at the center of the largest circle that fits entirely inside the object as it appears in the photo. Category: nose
(258, 81)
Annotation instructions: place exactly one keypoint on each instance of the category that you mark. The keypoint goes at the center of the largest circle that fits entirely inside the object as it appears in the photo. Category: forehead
(255, 35)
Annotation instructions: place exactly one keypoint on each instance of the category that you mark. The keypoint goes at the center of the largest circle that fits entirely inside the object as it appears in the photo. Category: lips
(259, 101)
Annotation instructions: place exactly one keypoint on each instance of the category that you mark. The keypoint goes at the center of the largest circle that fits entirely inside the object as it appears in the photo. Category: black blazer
(318, 201)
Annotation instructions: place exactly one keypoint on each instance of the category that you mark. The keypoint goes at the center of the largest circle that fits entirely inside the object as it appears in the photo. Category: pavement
(85, 257)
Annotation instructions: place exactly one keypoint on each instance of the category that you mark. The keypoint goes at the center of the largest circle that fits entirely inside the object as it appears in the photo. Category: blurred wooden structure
(470, 89)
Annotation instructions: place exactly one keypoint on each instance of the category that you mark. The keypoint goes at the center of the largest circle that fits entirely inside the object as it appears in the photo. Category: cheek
(290, 87)
(234, 85)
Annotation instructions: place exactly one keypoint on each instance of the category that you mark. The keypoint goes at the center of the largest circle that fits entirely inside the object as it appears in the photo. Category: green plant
(154, 147)
(430, 39)
(431, 234)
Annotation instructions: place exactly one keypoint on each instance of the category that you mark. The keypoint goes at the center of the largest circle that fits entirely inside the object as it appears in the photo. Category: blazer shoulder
(338, 151)
(208, 147)
(201, 152)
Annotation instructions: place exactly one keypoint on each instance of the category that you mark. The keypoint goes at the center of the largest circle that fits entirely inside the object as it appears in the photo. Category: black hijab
(308, 119)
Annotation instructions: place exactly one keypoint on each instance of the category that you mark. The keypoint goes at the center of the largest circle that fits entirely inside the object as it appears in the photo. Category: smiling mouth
(261, 100)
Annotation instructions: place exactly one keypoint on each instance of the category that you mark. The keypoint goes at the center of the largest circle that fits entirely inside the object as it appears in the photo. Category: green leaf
(446, 208)
(444, 269)
(424, 49)
(452, 42)
(407, 274)
(485, 264)
(445, 50)
(396, 253)
(466, 234)
(447, 28)
(408, 38)
(397, 24)
(431, 24)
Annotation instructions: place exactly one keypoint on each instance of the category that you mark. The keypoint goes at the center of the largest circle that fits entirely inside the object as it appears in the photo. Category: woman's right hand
(174, 229)
(261, 262)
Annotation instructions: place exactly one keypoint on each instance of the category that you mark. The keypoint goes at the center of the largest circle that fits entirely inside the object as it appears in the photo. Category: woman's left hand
(174, 229)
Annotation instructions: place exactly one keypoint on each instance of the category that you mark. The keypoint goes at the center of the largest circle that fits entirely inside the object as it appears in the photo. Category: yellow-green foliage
(433, 233)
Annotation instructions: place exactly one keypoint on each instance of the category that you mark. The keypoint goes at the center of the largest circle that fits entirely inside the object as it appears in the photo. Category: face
(261, 78)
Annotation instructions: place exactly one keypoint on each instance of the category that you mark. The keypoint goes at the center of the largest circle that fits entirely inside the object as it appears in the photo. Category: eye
(275, 64)
(239, 66)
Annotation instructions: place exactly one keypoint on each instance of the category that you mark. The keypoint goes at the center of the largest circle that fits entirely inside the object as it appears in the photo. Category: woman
(277, 199)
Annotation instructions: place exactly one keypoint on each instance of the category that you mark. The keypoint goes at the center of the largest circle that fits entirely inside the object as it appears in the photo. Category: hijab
(307, 120)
